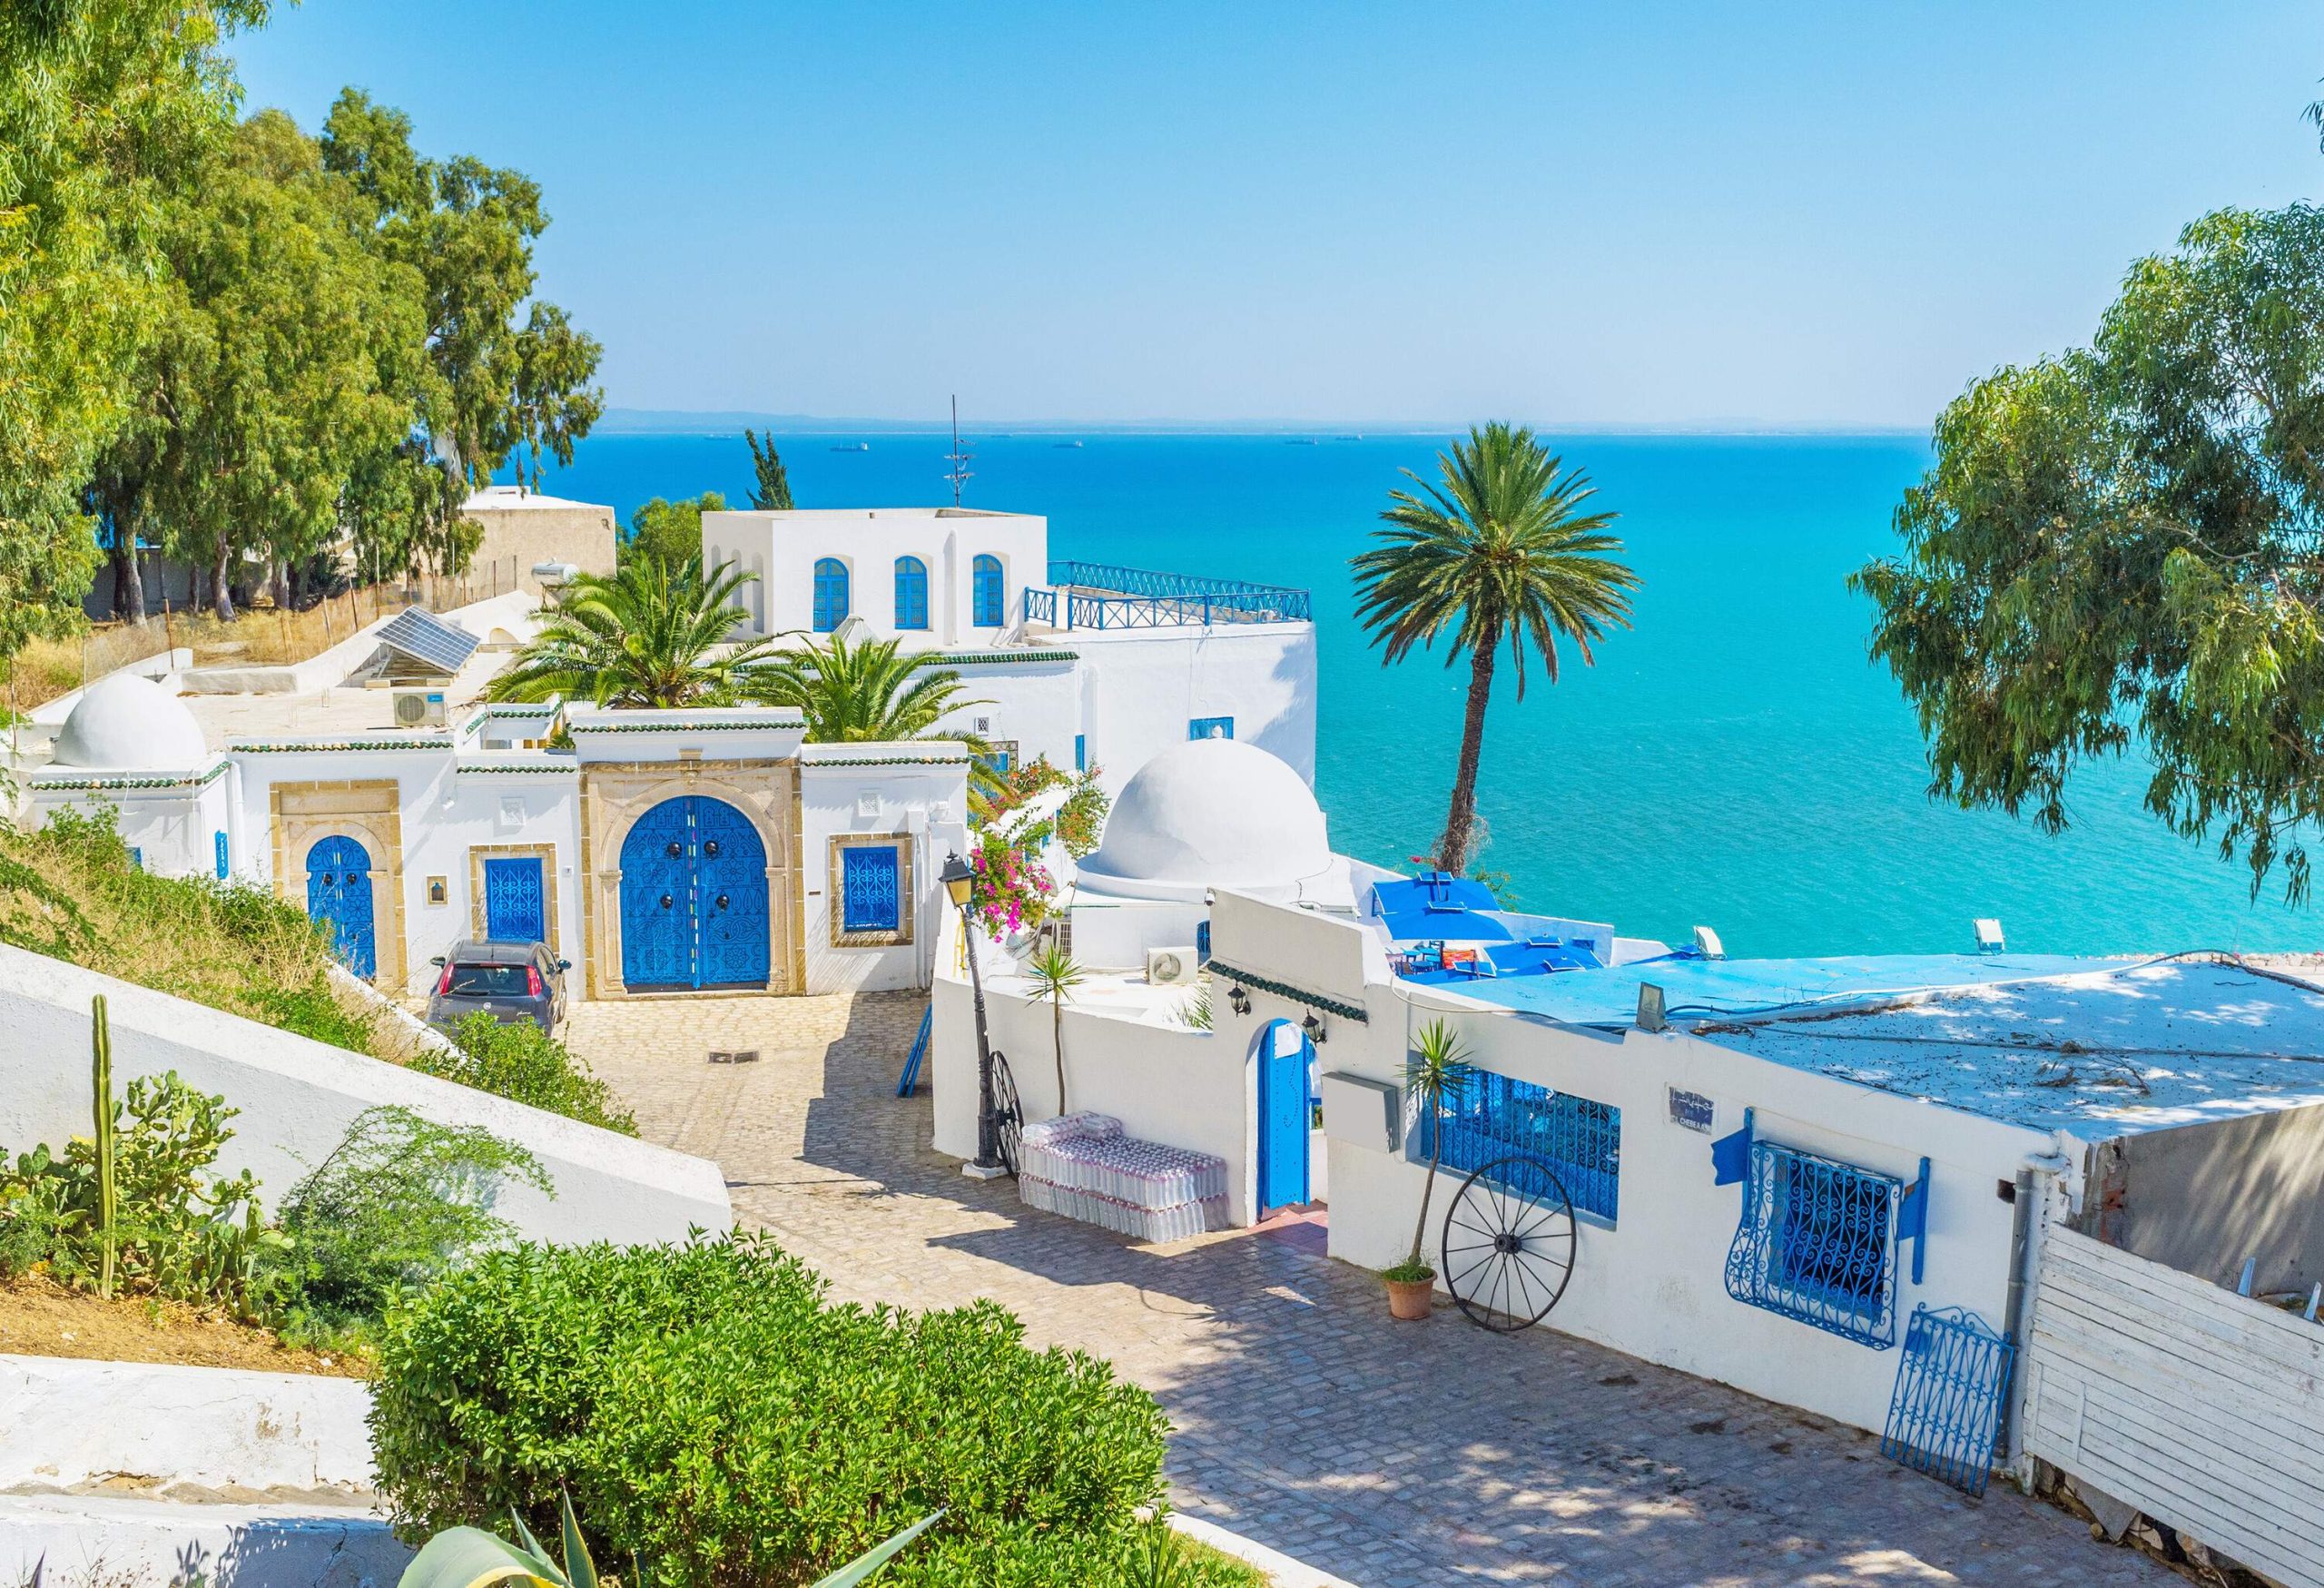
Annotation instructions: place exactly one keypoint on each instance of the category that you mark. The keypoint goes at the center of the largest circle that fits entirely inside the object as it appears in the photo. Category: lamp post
(958, 878)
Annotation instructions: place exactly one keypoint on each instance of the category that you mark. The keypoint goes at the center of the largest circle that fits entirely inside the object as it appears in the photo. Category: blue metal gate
(516, 907)
(339, 893)
(1286, 1116)
(693, 900)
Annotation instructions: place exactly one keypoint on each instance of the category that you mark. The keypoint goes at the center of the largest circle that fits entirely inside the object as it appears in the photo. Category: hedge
(713, 1415)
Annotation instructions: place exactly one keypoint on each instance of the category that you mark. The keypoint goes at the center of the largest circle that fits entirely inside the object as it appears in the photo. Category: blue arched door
(339, 894)
(1285, 1058)
(693, 901)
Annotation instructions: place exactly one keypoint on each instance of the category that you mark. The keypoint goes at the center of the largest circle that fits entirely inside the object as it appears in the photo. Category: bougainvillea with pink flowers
(1012, 891)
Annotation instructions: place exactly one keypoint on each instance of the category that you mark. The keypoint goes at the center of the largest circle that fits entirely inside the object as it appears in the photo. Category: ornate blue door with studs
(339, 894)
(693, 901)
(514, 907)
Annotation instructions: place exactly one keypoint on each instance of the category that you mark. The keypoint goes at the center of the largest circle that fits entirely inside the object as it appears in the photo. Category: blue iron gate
(339, 893)
(693, 901)
(515, 909)
(1285, 1114)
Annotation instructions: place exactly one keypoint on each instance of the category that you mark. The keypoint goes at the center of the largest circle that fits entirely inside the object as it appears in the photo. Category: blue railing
(1818, 1242)
(1103, 595)
(1494, 1116)
(1946, 1417)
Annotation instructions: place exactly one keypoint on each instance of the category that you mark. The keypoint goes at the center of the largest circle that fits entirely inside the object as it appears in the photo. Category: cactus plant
(100, 1080)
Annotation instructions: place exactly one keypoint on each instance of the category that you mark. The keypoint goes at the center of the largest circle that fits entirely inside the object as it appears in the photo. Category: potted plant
(1434, 1075)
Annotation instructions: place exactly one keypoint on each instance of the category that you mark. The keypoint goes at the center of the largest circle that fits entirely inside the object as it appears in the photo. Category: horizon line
(719, 421)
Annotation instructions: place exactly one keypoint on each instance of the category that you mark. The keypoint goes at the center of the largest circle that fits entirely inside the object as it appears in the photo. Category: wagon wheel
(1509, 1243)
(1007, 1111)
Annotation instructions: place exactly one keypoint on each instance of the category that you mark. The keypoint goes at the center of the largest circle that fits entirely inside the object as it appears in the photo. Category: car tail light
(532, 981)
(444, 981)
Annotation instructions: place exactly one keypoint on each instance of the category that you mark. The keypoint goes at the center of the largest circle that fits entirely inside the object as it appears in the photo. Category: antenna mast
(958, 473)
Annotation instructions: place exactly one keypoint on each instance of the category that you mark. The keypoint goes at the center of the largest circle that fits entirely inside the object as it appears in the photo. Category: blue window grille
(1211, 727)
(217, 848)
(1080, 752)
(1494, 1116)
(1818, 1242)
(869, 898)
(1946, 1417)
(911, 593)
(831, 594)
(1202, 944)
(988, 592)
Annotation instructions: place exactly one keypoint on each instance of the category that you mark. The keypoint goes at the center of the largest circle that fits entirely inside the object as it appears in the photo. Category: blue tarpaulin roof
(1418, 909)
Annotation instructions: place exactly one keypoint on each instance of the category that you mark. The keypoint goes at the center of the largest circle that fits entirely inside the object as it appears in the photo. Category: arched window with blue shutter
(911, 593)
(831, 594)
(989, 592)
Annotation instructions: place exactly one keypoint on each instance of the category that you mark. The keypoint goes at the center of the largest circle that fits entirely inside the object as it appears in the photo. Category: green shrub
(525, 1064)
(399, 1201)
(710, 1412)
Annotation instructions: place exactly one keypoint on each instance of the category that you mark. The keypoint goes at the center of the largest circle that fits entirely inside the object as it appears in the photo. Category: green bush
(525, 1064)
(711, 1413)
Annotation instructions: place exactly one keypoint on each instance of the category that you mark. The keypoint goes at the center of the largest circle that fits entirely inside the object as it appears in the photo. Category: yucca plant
(469, 1557)
(1435, 1074)
(1055, 976)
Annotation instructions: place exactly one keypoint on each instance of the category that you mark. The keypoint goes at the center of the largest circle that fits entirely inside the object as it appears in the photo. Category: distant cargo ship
(853, 447)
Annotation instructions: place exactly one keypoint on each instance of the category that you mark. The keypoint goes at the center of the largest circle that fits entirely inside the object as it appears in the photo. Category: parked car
(508, 981)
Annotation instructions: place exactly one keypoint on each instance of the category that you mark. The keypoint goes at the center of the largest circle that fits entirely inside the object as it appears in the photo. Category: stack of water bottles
(1083, 1167)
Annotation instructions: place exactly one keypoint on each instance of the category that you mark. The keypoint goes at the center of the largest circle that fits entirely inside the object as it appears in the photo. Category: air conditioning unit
(1171, 966)
(419, 708)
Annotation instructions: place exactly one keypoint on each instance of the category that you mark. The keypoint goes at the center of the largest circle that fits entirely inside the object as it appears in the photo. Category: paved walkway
(1390, 1453)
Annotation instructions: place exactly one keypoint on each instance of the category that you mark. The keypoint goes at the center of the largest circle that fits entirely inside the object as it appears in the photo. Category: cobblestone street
(1388, 1453)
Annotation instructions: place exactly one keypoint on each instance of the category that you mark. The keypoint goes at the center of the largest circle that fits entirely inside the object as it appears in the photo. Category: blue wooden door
(730, 891)
(1283, 1058)
(516, 906)
(694, 898)
(339, 894)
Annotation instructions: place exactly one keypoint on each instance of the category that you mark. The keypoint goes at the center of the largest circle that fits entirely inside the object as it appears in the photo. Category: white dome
(1210, 813)
(127, 723)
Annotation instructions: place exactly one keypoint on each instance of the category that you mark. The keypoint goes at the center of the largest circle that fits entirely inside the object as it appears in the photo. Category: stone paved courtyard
(1388, 1453)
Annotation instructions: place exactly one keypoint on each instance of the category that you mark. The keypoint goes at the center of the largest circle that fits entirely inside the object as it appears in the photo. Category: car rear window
(487, 982)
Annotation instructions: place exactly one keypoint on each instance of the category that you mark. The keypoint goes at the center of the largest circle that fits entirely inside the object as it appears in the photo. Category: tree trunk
(1056, 1036)
(1427, 1189)
(128, 580)
(280, 582)
(222, 592)
(1461, 818)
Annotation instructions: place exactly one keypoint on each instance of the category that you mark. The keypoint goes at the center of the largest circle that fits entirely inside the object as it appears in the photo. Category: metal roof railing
(1105, 595)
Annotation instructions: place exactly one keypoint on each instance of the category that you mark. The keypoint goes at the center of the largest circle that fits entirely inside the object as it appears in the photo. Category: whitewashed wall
(782, 550)
(297, 1097)
(2202, 1408)
(843, 789)
(1653, 1283)
(1147, 686)
(1036, 705)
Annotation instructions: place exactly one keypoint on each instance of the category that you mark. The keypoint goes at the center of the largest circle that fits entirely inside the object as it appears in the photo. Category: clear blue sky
(1687, 214)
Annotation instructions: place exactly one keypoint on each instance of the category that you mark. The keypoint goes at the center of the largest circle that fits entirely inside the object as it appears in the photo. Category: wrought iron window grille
(1817, 1239)
(1496, 1116)
(1945, 1418)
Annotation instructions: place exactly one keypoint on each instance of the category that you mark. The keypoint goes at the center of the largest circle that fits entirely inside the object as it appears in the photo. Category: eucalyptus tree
(2118, 549)
(652, 634)
(1496, 551)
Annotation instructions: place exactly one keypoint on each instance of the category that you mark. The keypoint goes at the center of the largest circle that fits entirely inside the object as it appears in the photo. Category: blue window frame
(1001, 755)
(1080, 752)
(218, 846)
(1494, 1116)
(1818, 1243)
(1202, 944)
(871, 891)
(911, 593)
(831, 594)
(989, 592)
(1211, 727)
(137, 856)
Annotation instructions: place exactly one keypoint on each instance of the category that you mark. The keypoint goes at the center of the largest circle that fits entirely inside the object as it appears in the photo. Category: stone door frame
(370, 812)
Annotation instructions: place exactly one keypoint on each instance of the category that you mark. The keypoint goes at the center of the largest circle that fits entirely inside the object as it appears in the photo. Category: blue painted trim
(905, 1087)
(1730, 1156)
(1912, 1220)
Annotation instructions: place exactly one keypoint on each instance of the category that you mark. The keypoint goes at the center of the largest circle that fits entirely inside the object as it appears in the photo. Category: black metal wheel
(1508, 1244)
(1009, 1113)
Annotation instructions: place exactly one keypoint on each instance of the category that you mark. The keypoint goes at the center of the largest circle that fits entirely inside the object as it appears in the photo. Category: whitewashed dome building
(126, 723)
(1212, 814)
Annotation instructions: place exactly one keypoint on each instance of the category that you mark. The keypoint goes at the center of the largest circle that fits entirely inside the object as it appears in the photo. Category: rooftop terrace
(1101, 595)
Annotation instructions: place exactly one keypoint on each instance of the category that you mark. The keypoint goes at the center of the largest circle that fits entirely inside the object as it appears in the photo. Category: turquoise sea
(1731, 760)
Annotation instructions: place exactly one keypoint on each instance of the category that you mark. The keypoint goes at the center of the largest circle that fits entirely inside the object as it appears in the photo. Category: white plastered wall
(1148, 685)
(919, 791)
(869, 540)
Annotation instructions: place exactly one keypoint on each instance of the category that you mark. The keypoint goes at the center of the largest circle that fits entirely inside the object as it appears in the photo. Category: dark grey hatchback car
(508, 981)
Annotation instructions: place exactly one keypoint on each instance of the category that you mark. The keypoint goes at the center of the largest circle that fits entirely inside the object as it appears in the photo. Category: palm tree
(650, 635)
(1500, 550)
(869, 691)
(1055, 975)
(1435, 1074)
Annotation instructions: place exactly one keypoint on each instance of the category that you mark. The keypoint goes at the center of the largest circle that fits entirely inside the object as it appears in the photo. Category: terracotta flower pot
(1410, 1300)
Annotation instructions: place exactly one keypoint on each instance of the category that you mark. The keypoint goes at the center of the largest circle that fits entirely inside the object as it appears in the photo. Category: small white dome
(1210, 813)
(124, 722)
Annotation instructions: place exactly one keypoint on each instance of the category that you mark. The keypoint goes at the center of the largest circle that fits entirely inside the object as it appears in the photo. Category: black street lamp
(958, 878)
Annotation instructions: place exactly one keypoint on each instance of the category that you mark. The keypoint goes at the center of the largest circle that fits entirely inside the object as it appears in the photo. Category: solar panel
(428, 639)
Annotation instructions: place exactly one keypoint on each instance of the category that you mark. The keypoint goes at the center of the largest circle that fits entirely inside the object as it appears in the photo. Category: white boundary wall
(2202, 1408)
(297, 1096)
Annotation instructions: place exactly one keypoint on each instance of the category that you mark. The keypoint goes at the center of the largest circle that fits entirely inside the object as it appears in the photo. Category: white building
(1085, 664)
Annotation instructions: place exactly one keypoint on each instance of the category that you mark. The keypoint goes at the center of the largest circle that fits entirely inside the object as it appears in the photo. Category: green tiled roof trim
(99, 782)
(563, 769)
(1219, 967)
(334, 745)
(993, 658)
(891, 761)
(780, 722)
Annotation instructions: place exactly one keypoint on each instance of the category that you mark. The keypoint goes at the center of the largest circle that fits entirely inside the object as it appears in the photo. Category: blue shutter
(1080, 752)
(514, 908)
(870, 898)
(831, 594)
(217, 843)
(911, 593)
(1211, 727)
(988, 592)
